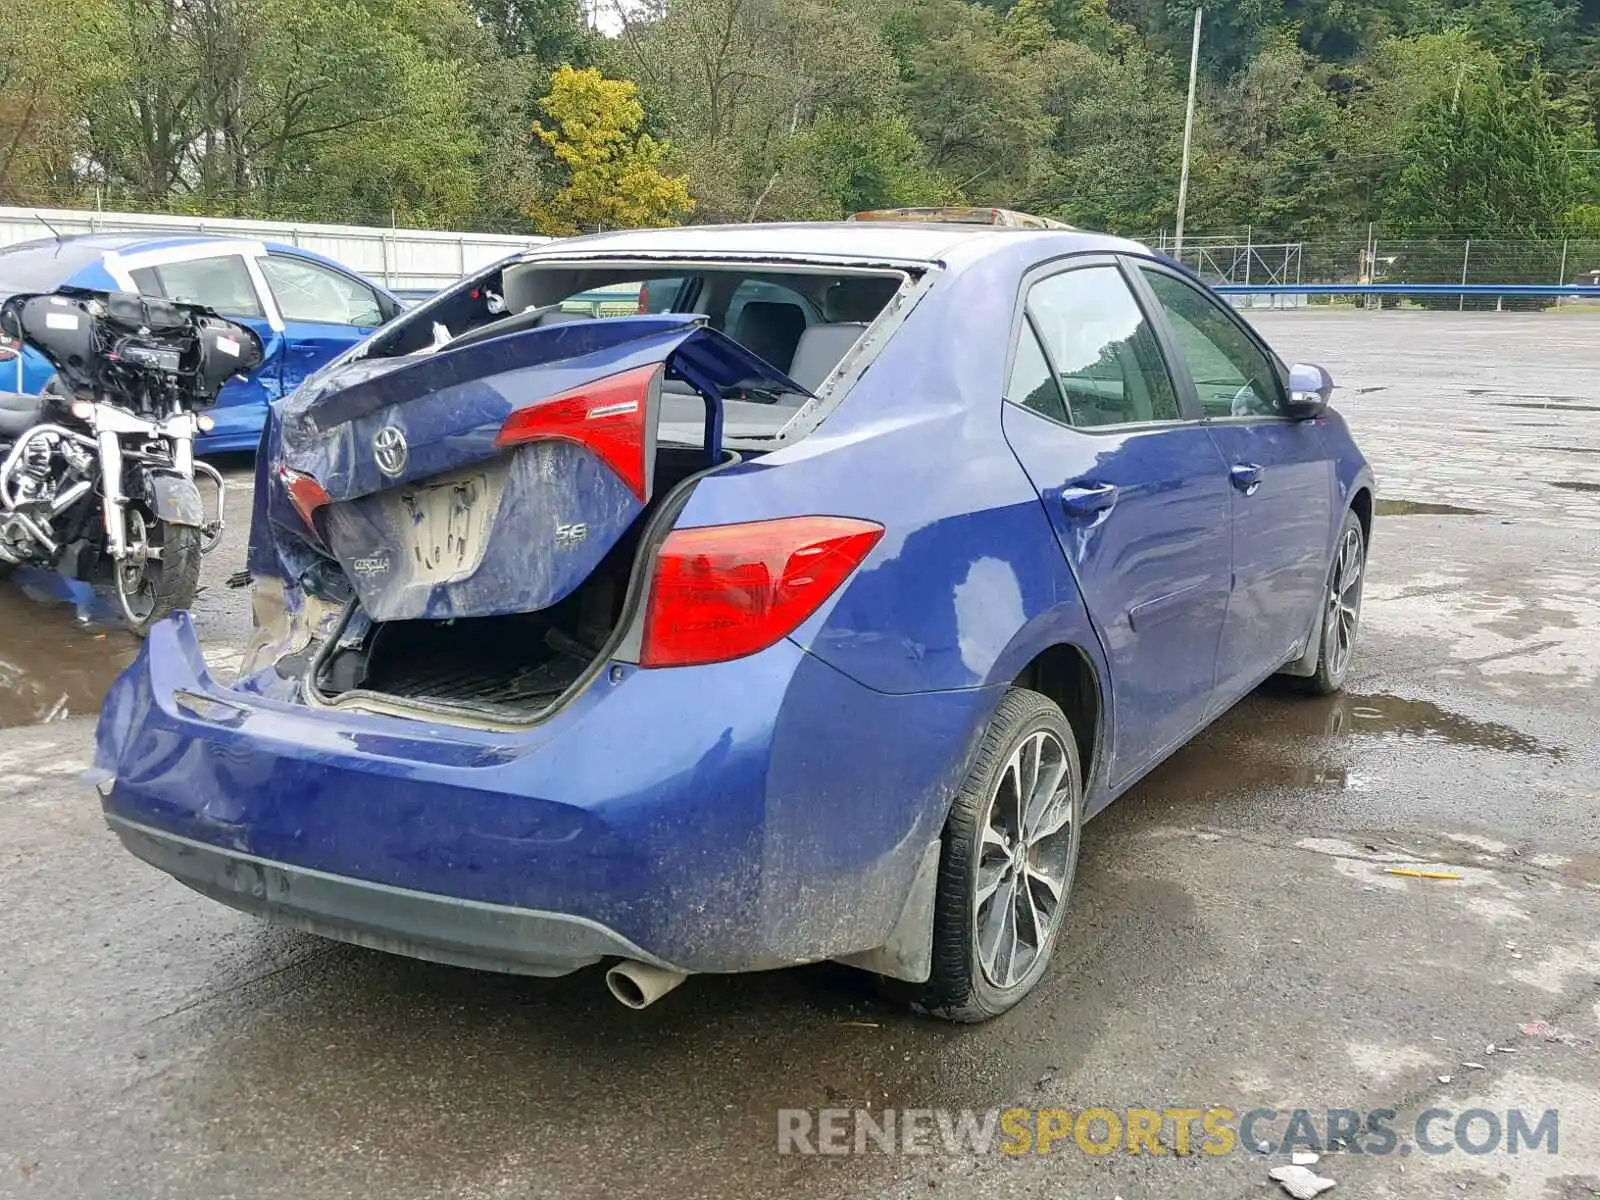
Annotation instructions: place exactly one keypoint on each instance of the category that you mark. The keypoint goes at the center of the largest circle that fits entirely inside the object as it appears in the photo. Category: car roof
(909, 241)
(74, 251)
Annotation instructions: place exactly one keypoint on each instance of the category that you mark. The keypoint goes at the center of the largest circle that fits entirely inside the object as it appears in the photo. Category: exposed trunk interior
(510, 667)
(540, 535)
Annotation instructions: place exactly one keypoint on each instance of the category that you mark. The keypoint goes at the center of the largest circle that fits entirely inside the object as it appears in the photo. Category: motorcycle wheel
(152, 588)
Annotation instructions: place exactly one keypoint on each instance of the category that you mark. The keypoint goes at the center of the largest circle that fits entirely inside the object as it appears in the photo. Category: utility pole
(1188, 135)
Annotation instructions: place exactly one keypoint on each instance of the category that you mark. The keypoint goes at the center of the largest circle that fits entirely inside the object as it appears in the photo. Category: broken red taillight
(305, 493)
(612, 418)
(720, 592)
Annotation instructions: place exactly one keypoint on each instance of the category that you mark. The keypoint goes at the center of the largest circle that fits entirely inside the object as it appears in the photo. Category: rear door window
(221, 283)
(1103, 351)
(659, 295)
(307, 291)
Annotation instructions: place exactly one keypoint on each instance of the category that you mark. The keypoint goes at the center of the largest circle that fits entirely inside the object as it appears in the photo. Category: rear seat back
(821, 349)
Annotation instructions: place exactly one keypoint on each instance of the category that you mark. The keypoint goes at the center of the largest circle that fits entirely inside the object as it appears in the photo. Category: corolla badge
(389, 448)
(372, 564)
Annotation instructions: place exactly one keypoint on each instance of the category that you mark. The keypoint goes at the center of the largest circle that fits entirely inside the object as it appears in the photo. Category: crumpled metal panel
(461, 527)
(515, 534)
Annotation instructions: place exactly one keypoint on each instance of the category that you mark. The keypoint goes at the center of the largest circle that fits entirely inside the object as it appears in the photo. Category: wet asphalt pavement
(1237, 937)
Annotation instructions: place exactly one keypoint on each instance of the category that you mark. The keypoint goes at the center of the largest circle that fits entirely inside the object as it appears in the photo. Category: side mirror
(1310, 390)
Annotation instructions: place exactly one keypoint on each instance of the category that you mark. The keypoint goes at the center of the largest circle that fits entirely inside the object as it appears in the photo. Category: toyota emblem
(389, 448)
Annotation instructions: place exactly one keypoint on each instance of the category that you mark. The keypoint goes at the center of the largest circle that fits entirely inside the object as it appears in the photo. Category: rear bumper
(462, 933)
(734, 817)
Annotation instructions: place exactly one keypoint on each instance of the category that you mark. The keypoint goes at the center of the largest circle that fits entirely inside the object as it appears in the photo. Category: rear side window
(659, 295)
(1102, 350)
(221, 283)
(1233, 377)
(306, 291)
(1032, 384)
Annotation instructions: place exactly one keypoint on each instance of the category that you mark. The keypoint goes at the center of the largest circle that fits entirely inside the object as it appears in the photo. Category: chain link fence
(1371, 257)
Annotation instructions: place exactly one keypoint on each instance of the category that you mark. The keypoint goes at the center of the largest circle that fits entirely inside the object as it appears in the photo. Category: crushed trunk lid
(493, 477)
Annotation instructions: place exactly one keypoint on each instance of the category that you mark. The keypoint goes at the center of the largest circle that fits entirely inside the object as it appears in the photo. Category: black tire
(1334, 659)
(960, 987)
(176, 579)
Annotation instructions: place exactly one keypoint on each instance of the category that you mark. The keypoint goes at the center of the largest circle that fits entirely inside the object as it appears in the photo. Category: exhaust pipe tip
(638, 985)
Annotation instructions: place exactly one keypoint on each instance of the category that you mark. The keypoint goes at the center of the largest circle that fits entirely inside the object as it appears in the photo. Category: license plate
(449, 525)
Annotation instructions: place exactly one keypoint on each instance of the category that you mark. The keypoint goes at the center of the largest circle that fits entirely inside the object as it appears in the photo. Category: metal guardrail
(1406, 289)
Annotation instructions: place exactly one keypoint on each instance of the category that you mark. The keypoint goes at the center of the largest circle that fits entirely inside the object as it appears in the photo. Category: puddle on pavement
(52, 668)
(1417, 508)
(1427, 721)
(1575, 485)
(1276, 739)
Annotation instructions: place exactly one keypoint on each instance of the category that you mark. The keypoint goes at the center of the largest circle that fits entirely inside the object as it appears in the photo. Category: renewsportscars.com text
(1172, 1130)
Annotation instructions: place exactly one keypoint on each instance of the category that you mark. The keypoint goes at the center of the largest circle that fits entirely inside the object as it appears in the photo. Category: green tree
(613, 174)
(552, 32)
(859, 164)
(1112, 160)
(331, 110)
(738, 83)
(1490, 158)
(41, 94)
(972, 95)
(1273, 131)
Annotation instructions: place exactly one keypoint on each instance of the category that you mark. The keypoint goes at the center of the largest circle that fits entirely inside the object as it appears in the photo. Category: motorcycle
(98, 474)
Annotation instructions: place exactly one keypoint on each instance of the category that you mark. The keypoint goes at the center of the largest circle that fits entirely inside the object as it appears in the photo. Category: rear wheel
(161, 573)
(1341, 609)
(1010, 853)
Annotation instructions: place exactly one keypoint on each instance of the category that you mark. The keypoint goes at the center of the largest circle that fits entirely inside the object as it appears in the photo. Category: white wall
(397, 258)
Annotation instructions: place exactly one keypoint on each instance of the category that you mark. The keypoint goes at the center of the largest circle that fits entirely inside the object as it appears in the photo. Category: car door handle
(1246, 477)
(1085, 500)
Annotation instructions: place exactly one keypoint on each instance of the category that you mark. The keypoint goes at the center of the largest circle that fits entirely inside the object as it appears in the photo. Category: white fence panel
(397, 258)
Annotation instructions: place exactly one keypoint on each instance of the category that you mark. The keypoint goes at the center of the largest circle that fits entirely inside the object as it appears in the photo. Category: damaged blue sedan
(804, 613)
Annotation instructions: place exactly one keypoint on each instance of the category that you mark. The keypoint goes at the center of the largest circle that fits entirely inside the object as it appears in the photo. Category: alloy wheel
(1344, 602)
(1025, 860)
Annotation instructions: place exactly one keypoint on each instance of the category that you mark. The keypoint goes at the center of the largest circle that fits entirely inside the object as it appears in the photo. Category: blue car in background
(809, 618)
(306, 309)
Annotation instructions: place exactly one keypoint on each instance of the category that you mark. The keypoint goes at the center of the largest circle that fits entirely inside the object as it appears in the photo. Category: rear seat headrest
(561, 317)
(857, 299)
(770, 330)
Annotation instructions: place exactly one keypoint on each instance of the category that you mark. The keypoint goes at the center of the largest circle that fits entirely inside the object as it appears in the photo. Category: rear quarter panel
(968, 583)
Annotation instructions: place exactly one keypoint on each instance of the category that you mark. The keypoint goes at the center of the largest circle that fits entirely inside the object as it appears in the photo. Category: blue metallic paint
(717, 848)
(773, 809)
